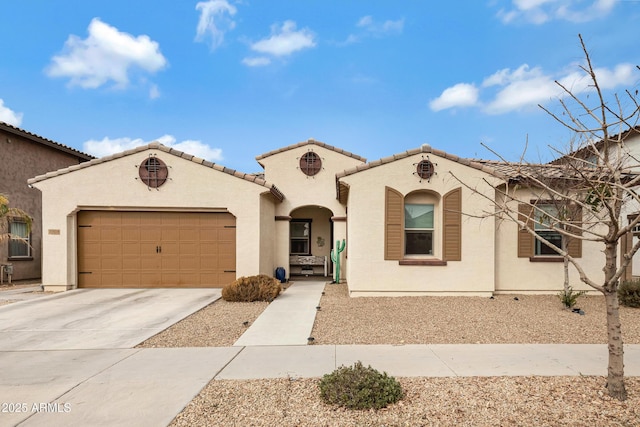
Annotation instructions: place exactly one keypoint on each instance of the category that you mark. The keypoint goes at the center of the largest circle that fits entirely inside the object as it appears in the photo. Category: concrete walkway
(288, 320)
(150, 386)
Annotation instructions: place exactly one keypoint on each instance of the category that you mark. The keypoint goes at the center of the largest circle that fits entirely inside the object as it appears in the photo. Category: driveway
(96, 318)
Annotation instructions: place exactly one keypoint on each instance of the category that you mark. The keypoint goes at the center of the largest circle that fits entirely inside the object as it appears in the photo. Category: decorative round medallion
(425, 169)
(153, 172)
(310, 163)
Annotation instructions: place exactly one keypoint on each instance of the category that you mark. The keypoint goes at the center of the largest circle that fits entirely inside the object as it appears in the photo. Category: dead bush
(252, 288)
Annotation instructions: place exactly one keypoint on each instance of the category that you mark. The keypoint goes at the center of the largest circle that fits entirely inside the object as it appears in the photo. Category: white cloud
(285, 40)
(460, 95)
(108, 146)
(380, 29)
(9, 116)
(541, 11)
(215, 20)
(526, 87)
(370, 28)
(107, 54)
(256, 61)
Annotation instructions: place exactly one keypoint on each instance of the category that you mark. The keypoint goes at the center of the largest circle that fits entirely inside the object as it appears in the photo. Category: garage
(123, 249)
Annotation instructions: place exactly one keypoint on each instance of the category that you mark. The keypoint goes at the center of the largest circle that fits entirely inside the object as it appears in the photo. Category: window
(300, 234)
(20, 245)
(544, 219)
(418, 229)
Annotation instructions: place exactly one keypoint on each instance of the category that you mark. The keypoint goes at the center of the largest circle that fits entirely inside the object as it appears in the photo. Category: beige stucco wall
(369, 274)
(113, 185)
(302, 191)
(521, 275)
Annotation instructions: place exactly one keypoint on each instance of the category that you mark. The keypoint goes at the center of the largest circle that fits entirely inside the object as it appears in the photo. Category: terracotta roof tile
(311, 142)
(423, 149)
(157, 146)
(44, 141)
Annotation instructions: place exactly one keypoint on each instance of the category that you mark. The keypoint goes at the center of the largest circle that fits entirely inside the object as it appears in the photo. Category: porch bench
(307, 262)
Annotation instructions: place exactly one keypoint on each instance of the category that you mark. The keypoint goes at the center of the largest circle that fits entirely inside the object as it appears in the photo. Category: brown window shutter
(625, 245)
(452, 223)
(393, 224)
(575, 245)
(525, 239)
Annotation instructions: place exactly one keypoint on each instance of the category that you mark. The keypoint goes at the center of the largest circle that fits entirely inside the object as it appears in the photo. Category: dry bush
(252, 288)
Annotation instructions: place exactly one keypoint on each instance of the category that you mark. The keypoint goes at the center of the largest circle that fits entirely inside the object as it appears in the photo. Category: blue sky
(229, 80)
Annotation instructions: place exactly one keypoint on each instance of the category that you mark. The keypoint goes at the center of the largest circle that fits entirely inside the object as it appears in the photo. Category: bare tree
(589, 189)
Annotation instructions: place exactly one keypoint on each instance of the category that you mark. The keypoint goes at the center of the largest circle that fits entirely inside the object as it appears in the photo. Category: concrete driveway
(96, 318)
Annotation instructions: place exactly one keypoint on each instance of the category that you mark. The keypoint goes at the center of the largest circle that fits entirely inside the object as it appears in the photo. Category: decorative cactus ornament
(335, 257)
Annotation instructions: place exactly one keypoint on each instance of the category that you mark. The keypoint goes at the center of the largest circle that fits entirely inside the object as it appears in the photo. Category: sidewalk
(288, 320)
(149, 387)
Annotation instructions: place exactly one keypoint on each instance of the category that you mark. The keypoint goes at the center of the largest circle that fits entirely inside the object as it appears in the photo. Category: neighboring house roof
(310, 142)
(587, 150)
(277, 194)
(44, 141)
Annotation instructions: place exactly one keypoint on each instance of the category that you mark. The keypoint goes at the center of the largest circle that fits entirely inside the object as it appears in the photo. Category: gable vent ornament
(425, 169)
(310, 163)
(153, 172)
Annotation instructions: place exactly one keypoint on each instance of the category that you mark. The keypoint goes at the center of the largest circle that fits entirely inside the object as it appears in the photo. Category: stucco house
(24, 155)
(157, 217)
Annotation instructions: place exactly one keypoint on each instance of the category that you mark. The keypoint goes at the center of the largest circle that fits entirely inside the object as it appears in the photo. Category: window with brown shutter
(536, 250)
(452, 223)
(525, 239)
(393, 224)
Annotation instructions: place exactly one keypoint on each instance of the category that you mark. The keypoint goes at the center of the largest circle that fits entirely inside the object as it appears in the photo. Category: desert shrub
(252, 288)
(569, 298)
(629, 293)
(357, 387)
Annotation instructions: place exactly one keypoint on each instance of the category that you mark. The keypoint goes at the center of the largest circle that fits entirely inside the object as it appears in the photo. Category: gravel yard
(496, 401)
(217, 325)
(505, 401)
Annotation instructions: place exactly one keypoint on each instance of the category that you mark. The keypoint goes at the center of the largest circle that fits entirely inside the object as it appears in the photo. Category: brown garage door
(155, 249)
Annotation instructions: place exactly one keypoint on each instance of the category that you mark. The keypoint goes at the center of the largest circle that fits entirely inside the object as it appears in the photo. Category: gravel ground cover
(219, 324)
(504, 401)
(496, 401)
(531, 319)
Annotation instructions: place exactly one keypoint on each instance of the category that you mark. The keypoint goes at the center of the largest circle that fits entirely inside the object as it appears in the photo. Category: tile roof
(511, 171)
(44, 141)
(156, 145)
(311, 142)
(423, 149)
(588, 149)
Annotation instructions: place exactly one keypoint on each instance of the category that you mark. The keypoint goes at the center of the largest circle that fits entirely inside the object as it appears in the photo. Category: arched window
(420, 223)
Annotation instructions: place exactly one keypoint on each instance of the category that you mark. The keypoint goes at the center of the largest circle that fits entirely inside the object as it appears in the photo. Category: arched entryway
(310, 241)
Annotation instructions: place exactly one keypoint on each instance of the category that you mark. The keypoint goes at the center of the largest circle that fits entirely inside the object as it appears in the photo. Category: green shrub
(357, 387)
(252, 288)
(629, 293)
(570, 298)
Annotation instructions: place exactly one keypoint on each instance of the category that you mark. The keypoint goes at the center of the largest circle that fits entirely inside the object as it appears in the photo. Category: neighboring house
(22, 156)
(157, 217)
(629, 153)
